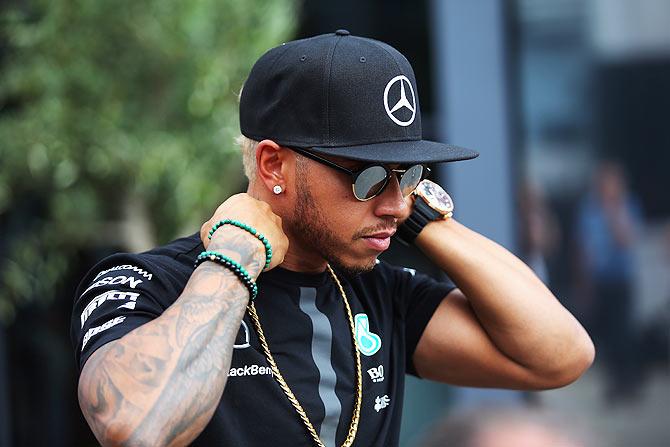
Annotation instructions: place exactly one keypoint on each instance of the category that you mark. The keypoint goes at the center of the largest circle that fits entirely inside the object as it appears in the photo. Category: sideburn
(311, 225)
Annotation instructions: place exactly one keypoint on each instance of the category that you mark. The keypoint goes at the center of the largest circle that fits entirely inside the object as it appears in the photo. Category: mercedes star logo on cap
(402, 101)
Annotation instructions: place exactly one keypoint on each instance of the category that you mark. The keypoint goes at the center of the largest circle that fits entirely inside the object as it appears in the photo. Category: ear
(273, 162)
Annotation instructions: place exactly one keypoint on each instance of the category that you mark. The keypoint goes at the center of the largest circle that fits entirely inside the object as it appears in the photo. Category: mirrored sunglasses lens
(370, 182)
(410, 179)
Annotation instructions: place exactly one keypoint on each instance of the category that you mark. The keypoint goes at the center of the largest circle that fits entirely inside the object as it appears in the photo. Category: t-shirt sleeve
(420, 296)
(118, 295)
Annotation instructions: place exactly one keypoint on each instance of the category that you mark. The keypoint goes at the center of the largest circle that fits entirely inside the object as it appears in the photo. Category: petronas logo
(368, 342)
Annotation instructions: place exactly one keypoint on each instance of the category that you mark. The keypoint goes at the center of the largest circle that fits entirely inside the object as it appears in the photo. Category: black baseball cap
(341, 95)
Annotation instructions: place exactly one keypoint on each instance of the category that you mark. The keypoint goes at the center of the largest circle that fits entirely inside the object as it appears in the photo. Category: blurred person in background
(608, 226)
(505, 427)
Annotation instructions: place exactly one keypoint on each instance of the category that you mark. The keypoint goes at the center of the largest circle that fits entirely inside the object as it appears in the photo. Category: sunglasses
(370, 181)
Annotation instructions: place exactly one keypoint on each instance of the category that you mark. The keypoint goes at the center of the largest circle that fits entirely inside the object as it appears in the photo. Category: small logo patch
(402, 101)
(368, 342)
(382, 402)
(243, 341)
(377, 374)
(250, 370)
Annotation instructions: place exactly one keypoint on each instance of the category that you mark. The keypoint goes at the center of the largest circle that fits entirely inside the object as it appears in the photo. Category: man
(171, 354)
(608, 224)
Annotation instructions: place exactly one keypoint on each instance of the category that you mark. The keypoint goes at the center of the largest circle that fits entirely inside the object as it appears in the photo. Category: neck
(296, 262)
(299, 257)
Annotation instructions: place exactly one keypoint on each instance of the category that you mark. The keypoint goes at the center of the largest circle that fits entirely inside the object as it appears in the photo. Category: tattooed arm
(160, 383)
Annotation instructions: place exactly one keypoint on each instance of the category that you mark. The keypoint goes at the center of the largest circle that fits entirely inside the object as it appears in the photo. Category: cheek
(409, 201)
(334, 188)
(342, 220)
(344, 215)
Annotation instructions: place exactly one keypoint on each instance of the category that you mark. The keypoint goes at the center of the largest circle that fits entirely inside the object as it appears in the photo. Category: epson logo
(115, 281)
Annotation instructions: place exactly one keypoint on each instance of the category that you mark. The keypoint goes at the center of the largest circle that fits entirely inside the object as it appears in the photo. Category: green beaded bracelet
(252, 230)
(231, 265)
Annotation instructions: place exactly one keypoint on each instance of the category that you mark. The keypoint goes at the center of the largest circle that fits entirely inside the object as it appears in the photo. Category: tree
(117, 124)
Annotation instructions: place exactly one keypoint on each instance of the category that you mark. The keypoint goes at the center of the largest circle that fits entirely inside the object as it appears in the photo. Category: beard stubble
(311, 226)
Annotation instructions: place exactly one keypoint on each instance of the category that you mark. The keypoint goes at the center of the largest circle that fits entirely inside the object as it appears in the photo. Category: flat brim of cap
(403, 152)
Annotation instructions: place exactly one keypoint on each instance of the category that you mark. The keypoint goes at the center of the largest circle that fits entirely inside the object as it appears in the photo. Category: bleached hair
(248, 148)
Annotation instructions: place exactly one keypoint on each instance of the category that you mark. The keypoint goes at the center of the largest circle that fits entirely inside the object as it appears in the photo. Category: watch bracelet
(422, 214)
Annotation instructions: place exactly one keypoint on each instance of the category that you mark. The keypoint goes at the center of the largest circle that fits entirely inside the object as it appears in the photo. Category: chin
(355, 267)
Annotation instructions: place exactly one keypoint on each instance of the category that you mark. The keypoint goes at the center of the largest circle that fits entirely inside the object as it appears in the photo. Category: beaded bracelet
(231, 265)
(252, 230)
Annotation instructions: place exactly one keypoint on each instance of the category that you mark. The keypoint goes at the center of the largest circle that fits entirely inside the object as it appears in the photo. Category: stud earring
(277, 189)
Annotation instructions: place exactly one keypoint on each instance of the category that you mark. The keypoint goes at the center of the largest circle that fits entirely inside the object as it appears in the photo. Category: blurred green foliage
(111, 102)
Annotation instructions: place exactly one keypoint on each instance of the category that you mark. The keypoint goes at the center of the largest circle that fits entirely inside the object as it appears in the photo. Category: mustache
(390, 224)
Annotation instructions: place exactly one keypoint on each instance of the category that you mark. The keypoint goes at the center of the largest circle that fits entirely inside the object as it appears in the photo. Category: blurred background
(117, 122)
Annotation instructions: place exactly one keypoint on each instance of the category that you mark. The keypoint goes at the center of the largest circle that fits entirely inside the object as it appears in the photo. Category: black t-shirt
(307, 330)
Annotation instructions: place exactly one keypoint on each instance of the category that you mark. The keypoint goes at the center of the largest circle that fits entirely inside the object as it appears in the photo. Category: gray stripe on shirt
(322, 342)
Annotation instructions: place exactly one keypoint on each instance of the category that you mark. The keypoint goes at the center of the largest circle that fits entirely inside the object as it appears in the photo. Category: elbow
(580, 361)
(108, 434)
(118, 431)
(117, 435)
(571, 365)
(110, 426)
(104, 407)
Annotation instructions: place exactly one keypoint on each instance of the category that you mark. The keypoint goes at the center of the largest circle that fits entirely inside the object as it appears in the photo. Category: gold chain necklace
(353, 427)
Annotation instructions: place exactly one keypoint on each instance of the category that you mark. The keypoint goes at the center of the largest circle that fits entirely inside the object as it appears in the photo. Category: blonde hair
(248, 148)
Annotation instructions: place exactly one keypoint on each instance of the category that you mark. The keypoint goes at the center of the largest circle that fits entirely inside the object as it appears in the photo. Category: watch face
(435, 196)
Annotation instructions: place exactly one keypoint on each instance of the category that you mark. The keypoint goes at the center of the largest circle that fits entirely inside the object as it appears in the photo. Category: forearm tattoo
(162, 381)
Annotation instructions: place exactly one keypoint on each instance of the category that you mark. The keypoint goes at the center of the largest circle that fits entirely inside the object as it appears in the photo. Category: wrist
(439, 230)
(233, 266)
(249, 229)
(431, 203)
(241, 247)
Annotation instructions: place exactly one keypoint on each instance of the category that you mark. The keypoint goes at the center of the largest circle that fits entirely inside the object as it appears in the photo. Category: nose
(391, 201)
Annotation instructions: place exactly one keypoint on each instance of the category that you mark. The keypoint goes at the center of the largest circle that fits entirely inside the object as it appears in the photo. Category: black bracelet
(231, 265)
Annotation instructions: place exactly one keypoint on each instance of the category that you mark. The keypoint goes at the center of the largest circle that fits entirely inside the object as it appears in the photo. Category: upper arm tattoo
(163, 380)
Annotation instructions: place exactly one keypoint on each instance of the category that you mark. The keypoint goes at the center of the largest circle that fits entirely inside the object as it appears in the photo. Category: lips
(379, 241)
(382, 234)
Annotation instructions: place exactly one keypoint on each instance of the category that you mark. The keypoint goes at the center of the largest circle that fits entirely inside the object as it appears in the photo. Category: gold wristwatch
(431, 202)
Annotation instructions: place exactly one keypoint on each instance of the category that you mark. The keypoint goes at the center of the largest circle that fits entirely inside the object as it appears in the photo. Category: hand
(255, 213)
(409, 200)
